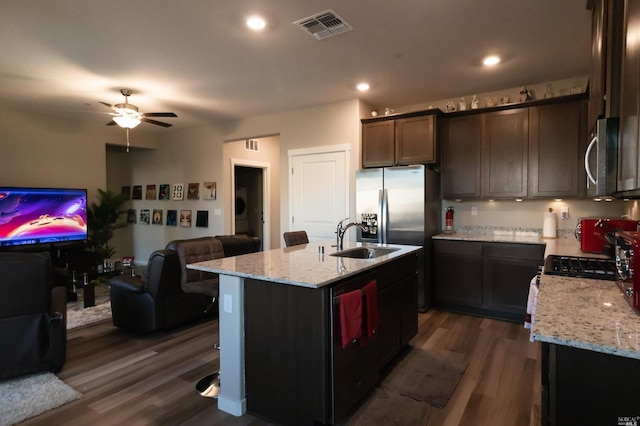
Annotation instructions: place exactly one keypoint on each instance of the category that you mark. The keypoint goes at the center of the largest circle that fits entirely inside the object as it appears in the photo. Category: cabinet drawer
(515, 251)
(463, 248)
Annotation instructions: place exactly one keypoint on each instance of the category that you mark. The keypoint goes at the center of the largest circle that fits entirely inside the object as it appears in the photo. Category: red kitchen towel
(370, 320)
(350, 317)
(371, 309)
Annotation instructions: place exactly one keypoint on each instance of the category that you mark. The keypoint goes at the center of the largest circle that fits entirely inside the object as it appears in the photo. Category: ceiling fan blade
(159, 123)
(160, 114)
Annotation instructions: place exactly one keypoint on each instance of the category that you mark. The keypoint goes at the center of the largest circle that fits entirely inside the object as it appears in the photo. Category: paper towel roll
(549, 225)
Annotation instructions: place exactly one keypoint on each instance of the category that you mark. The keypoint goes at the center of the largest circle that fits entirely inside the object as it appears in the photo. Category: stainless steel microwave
(601, 158)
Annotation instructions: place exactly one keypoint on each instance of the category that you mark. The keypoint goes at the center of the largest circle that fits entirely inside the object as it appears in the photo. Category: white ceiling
(197, 59)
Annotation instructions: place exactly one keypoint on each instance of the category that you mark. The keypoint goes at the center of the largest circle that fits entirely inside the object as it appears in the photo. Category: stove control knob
(622, 263)
(629, 291)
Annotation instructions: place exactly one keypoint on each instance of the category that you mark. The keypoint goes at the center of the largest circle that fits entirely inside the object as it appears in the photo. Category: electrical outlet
(474, 211)
(564, 213)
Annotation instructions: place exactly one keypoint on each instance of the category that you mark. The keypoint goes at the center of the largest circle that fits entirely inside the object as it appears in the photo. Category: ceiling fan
(128, 116)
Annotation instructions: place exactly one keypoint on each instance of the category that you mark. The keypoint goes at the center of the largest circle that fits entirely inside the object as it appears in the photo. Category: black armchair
(156, 302)
(33, 316)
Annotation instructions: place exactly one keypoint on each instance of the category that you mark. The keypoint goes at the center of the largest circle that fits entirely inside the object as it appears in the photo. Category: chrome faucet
(341, 230)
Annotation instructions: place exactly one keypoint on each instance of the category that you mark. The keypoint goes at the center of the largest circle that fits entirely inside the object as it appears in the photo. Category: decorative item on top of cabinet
(402, 140)
(524, 94)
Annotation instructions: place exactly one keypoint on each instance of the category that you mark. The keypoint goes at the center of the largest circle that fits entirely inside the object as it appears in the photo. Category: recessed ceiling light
(256, 23)
(363, 87)
(491, 60)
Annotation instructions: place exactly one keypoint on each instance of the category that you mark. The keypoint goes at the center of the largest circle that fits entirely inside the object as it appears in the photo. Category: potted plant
(103, 219)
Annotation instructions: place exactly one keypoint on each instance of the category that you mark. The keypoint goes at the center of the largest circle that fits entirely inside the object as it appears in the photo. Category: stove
(581, 267)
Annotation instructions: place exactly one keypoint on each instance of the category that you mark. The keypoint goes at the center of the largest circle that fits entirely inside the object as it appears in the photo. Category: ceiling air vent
(323, 25)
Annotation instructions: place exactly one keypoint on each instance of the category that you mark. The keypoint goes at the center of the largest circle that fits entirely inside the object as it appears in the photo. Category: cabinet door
(629, 138)
(389, 323)
(415, 140)
(458, 274)
(505, 153)
(408, 307)
(556, 133)
(461, 144)
(378, 143)
(598, 61)
(507, 273)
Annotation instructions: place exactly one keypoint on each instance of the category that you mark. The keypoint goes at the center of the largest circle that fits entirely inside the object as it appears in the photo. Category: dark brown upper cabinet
(606, 58)
(532, 150)
(400, 141)
(505, 142)
(557, 139)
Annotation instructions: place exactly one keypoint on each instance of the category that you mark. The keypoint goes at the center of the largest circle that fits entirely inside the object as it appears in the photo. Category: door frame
(266, 196)
(345, 148)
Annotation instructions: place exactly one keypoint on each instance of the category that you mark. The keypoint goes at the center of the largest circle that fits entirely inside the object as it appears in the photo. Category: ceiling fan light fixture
(126, 121)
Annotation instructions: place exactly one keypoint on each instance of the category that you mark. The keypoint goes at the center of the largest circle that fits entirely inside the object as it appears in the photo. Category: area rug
(84, 316)
(28, 396)
(389, 408)
(424, 376)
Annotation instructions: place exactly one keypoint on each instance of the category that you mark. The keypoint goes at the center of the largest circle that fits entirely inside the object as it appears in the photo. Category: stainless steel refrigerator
(401, 205)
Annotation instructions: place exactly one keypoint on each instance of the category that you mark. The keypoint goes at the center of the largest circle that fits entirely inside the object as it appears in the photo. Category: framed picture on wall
(156, 219)
(185, 218)
(126, 192)
(144, 216)
(151, 192)
(202, 219)
(209, 191)
(137, 192)
(164, 192)
(193, 191)
(131, 216)
(172, 217)
(177, 191)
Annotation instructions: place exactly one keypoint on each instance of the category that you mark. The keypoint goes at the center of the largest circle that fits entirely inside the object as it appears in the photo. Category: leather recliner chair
(33, 316)
(157, 301)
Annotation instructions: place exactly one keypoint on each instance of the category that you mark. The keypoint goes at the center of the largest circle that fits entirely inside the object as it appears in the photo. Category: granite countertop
(558, 246)
(301, 265)
(587, 314)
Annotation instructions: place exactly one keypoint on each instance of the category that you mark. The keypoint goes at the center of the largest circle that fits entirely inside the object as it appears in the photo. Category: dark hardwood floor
(149, 379)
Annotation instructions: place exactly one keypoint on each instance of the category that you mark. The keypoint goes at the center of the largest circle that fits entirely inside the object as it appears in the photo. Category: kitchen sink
(364, 252)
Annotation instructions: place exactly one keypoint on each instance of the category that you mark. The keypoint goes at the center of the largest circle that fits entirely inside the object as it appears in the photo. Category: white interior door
(319, 193)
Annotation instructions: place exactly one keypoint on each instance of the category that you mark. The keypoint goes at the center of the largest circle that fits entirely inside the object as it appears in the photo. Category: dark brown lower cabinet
(488, 279)
(297, 372)
(583, 387)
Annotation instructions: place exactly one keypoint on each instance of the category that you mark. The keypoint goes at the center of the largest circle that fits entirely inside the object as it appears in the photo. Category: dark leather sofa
(171, 294)
(33, 324)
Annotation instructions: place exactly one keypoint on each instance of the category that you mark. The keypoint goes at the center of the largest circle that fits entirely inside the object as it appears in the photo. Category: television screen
(42, 216)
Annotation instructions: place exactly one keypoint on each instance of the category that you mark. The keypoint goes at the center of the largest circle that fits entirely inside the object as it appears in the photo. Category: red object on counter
(591, 231)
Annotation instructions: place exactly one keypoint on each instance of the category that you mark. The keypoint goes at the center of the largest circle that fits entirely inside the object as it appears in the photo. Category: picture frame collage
(170, 192)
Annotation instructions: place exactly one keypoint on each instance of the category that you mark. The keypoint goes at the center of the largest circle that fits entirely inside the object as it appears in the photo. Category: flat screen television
(42, 216)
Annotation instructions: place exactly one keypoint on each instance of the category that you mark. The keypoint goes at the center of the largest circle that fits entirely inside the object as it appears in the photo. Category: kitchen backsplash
(526, 217)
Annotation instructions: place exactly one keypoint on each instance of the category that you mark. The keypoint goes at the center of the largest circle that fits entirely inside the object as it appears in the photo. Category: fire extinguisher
(448, 228)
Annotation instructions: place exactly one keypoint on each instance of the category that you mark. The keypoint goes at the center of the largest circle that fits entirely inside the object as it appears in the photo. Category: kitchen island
(281, 358)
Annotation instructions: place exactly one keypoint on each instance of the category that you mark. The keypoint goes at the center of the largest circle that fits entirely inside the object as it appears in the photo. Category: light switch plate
(474, 211)
(564, 213)
(227, 299)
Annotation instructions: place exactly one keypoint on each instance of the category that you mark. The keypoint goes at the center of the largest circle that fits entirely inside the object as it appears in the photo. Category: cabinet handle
(593, 143)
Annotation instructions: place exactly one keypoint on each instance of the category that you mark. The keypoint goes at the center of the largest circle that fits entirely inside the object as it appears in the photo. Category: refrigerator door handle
(383, 204)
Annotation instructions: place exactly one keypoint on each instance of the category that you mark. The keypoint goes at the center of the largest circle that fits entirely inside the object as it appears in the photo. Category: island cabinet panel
(461, 145)
(297, 372)
(505, 153)
(488, 279)
(584, 387)
(287, 352)
(557, 134)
